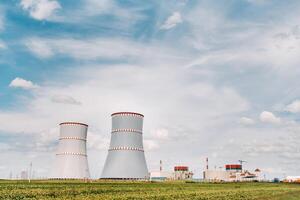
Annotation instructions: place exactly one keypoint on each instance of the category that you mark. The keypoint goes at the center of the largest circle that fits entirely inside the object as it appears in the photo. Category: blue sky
(215, 79)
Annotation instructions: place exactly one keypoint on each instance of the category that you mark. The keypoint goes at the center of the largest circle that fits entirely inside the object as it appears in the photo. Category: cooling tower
(126, 158)
(71, 158)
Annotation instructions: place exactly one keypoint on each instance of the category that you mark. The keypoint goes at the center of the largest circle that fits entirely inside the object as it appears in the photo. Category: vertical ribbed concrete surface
(71, 157)
(126, 158)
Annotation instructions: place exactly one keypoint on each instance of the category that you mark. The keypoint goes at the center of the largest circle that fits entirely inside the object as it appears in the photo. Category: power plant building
(232, 173)
(292, 179)
(126, 158)
(71, 157)
(182, 173)
(179, 173)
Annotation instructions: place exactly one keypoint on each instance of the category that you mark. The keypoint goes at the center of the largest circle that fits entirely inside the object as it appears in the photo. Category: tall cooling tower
(126, 159)
(71, 158)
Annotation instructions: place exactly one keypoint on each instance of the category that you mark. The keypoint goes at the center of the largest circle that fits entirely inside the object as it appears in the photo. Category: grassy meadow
(77, 190)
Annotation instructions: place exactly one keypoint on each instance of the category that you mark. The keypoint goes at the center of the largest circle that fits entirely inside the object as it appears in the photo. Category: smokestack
(160, 165)
(126, 159)
(71, 158)
(206, 163)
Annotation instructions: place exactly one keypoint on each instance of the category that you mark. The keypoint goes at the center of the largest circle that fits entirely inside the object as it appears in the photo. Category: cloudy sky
(217, 79)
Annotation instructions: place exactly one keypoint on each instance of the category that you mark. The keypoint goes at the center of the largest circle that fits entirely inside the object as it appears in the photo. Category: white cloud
(26, 123)
(85, 12)
(40, 9)
(99, 48)
(234, 43)
(2, 45)
(39, 48)
(4, 146)
(150, 145)
(246, 121)
(172, 21)
(294, 107)
(273, 170)
(258, 2)
(65, 99)
(95, 7)
(269, 117)
(89, 49)
(1, 19)
(22, 83)
(161, 134)
(48, 136)
(3, 167)
(97, 141)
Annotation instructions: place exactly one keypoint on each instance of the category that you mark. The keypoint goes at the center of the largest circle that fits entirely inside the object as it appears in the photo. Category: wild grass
(79, 190)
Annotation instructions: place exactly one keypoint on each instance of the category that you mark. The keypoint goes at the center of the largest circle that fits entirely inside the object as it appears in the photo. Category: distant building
(232, 173)
(179, 173)
(182, 173)
(292, 179)
(161, 176)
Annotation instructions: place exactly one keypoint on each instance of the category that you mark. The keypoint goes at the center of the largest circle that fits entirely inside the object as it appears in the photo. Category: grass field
(18, 190)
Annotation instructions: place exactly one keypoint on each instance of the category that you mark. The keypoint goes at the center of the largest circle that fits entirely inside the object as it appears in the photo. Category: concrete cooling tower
(126, 159)
(71, 158)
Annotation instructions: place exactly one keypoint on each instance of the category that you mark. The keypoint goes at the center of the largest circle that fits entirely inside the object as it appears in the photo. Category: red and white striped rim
(73, 123)
(72, 138)
(127, 130)
(71, 153)
(127, 114)
(126, 149)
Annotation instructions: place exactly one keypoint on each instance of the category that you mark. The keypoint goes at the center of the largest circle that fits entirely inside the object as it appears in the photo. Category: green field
(18, 190)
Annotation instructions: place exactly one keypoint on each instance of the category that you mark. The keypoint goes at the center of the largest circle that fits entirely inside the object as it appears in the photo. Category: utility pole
(207, 163)
(160, 166)
(30, 171)
(10, 175)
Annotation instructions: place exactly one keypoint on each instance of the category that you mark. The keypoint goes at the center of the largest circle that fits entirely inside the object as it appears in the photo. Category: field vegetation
(77, 190)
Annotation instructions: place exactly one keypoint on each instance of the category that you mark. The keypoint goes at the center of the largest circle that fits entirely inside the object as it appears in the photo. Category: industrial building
(126, 158)
(161, 176)
(292, 179)
(71, 157)
(182, 173)
(179, 173)
(232, 173)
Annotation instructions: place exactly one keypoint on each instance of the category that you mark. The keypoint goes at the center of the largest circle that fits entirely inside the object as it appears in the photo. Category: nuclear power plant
(126, 158)
(71, 157)
(232, 173)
